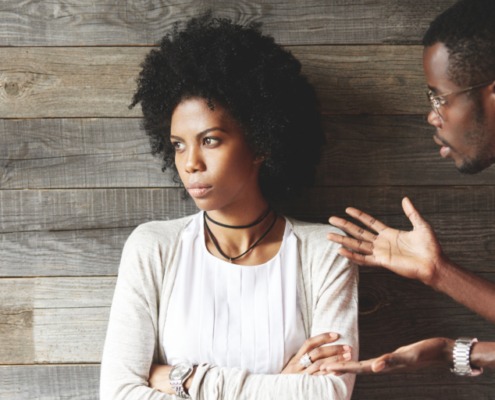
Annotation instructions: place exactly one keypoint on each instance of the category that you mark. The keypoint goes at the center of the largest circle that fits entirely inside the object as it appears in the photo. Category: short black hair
(258, 82)
(467, 29)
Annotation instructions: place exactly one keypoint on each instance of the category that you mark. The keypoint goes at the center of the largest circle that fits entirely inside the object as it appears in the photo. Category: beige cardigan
(327, 290)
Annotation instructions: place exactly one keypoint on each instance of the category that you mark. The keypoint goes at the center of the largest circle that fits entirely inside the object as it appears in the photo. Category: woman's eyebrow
(202, 133)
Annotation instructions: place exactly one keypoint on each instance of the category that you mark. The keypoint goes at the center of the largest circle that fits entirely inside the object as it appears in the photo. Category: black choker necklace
(256, 222)
(217, 245)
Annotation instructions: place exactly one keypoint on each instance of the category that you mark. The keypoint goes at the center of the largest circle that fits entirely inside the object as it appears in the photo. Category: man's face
(464, 122)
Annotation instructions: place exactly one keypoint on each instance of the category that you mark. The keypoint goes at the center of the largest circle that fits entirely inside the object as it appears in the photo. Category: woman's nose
(194, 161)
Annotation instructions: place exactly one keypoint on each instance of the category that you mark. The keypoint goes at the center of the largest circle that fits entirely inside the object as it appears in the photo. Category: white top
(232, 315)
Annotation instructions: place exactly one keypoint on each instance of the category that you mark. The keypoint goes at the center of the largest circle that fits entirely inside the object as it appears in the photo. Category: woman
(236, 301)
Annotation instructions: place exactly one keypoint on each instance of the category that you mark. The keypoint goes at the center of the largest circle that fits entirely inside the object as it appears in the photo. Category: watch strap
(178, 386)
(461, 356)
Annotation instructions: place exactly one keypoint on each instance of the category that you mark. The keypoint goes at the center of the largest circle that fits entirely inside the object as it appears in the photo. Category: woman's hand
(415, 254)
(159, 380)
(423, 354)
(318, 353)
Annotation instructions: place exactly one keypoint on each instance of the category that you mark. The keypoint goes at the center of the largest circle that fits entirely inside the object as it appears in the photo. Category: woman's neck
(259, 237)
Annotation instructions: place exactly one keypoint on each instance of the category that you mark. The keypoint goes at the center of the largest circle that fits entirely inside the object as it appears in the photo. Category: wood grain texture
(34, 210)
(49, 382)
(108, 23)
(99, 82)
(77, 153)
(361, 150)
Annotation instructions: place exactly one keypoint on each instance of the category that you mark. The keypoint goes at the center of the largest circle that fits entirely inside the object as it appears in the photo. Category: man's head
(459, 65)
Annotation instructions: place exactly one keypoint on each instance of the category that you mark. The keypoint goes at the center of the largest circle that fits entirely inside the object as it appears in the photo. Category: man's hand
(427, 353)
(414, 254)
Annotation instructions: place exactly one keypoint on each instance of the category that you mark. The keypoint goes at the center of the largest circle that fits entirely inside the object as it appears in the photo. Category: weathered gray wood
(49, 382)
(62, 253)
(62, 153)
(110, 152)
(80, 382)
(28, 210)
(64, 23)
(99, 82)
(53, 319)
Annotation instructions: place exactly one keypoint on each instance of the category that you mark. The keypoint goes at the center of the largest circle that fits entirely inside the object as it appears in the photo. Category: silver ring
(305, 360)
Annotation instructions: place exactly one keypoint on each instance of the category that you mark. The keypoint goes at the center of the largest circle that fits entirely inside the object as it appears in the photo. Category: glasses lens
(435, 102)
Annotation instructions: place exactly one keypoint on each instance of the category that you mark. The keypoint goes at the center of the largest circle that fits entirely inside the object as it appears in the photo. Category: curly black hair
(255, 79)
(467, 29)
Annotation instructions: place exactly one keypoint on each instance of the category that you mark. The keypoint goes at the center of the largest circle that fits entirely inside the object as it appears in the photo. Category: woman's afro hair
(254, 78)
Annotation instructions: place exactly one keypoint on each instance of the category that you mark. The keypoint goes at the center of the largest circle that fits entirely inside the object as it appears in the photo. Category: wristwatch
(461, 355)
(178, 376)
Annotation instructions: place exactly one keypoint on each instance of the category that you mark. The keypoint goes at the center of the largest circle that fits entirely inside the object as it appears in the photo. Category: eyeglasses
(437, 101)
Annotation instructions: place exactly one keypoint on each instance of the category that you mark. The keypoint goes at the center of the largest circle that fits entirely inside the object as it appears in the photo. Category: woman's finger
(338, 354)
(331, 353)
(316, 341)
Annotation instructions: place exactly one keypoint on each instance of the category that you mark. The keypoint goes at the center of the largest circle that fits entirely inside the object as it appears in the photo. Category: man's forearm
(483, 355)
(463, 286)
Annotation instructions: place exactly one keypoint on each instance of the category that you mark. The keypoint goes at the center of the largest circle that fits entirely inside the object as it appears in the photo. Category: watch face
(180, 370)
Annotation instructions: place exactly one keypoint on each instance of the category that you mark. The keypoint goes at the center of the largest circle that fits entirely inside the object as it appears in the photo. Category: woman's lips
(198, 190)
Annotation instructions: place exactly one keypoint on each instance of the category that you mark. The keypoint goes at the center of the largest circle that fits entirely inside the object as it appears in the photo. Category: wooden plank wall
(76, 176)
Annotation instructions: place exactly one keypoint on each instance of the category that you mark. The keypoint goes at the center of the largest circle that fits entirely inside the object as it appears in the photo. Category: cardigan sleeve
(131, 340)
(330, 286)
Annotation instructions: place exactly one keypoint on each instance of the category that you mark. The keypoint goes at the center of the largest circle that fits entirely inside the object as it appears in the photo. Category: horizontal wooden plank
(53, 320)
(427, 384)
(113, 152)
(106, 22)
(49, 382)
(81, 382)
(99, 82)
(62, 253)
(33, 210)
(62, 153)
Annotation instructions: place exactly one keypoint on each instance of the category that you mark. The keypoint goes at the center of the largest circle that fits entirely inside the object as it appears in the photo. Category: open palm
(412, 254)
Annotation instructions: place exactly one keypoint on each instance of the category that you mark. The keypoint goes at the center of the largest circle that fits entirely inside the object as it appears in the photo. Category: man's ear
(260, 159)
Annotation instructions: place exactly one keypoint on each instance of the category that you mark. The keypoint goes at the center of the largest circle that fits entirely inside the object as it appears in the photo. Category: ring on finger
(305, 360)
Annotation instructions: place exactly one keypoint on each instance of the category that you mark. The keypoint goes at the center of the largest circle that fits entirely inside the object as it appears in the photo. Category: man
(459, 66)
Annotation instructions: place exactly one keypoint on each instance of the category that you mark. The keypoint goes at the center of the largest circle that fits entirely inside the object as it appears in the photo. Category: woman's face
(214, 161)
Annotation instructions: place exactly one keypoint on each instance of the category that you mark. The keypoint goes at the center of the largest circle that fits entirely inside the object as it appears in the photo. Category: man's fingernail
(347, 356)
(334, 335)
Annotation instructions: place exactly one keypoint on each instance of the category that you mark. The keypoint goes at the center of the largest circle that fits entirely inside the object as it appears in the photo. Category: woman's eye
(177, 146)
(210, 141)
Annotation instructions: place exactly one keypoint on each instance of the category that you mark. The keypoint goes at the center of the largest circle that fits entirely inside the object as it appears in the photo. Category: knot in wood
(11, 88)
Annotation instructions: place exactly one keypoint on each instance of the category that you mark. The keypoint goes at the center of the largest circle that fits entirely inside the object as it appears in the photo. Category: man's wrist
(461, 356)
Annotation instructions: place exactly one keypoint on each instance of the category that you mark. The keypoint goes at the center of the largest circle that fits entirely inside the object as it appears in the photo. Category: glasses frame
(438, 100)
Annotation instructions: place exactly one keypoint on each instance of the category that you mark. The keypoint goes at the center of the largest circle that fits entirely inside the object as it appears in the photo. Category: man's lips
(445, 151)
(198, 190)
